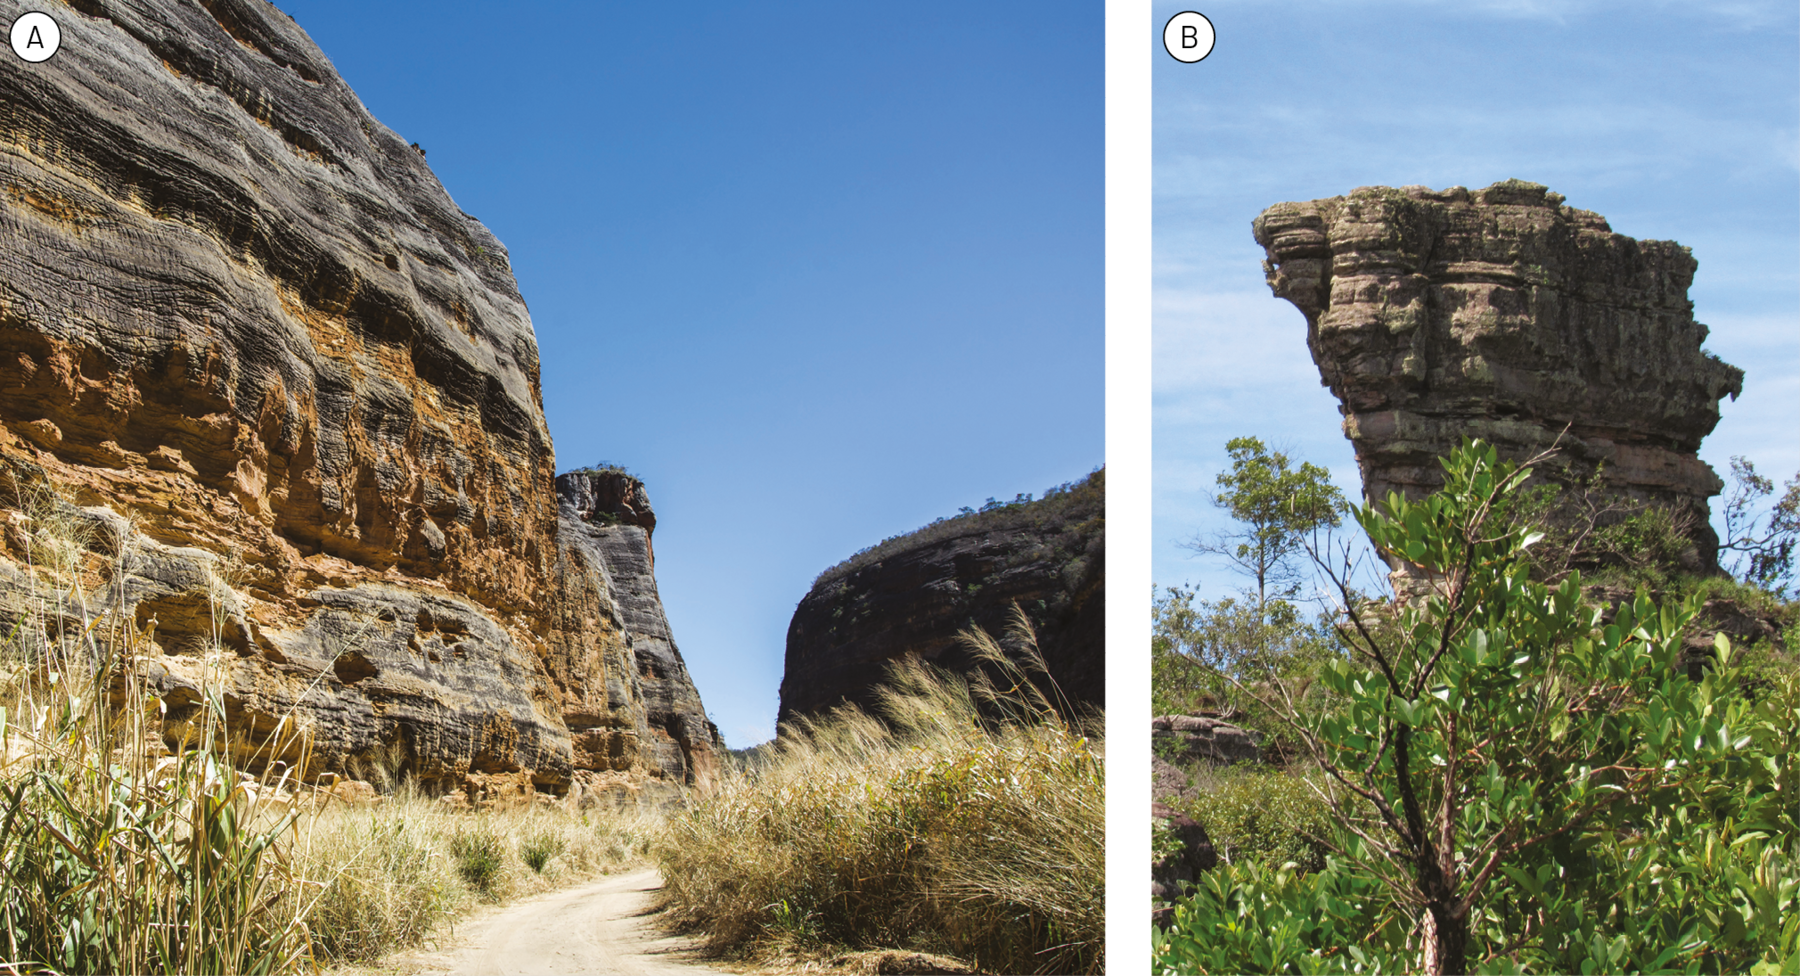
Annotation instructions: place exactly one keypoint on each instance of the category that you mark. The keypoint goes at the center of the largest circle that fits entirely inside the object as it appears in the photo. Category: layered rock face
(249, 334)
(1507, 315)
(914, 593)
(606, 524)
(1198, 738)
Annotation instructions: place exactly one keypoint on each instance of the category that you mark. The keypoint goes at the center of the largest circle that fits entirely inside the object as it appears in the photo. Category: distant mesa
(913, 593)
(1507, 315)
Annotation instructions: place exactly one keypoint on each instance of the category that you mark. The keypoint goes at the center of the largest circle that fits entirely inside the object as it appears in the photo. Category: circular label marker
(35, 37)
(1188, 36)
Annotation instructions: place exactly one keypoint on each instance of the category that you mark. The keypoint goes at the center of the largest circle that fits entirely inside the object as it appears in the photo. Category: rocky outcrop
(912, 594)
(607, 523)
(1171, 875)
(294, 388)
(1198, 738)
(1168, 783)
(1507, 315)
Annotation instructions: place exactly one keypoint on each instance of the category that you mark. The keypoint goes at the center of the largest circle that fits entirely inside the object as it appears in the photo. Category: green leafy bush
(1264, 815)
(1518, 787)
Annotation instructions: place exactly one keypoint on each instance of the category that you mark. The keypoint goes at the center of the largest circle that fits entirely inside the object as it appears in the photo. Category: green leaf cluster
(1520, 781)
(1279, 507)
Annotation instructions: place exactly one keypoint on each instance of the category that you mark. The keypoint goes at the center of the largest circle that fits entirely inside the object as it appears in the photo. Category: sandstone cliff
(1504, 314)
(250, 335)
(607, 523)
(913, 593)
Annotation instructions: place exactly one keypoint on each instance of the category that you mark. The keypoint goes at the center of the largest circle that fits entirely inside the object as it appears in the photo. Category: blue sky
(1676, 121)
(818, 273)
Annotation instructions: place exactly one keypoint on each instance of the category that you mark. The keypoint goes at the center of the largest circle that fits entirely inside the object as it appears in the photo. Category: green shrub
(480, 856)
(1554, 794)
(540, 847)
(1266, 816)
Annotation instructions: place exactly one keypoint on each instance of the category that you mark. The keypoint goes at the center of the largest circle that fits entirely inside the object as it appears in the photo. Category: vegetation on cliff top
(1073, 503)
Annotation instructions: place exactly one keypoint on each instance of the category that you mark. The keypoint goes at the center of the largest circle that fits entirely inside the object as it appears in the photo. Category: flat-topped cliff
(912, 594)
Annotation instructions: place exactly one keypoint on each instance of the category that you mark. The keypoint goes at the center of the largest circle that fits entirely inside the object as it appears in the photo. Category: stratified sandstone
(1506, 315)
(248, 333)
(655, 712)
(914, 593)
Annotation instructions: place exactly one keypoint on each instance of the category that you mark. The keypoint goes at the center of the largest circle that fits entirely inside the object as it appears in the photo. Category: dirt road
(597, 928)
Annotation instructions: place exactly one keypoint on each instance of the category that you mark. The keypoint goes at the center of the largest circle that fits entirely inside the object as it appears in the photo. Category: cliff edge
(657, 717)
(912, 594)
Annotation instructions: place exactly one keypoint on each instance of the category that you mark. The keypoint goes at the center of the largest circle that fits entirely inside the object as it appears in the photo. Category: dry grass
(384, 876)
(113, 856)
(970, 822)
(117, 856)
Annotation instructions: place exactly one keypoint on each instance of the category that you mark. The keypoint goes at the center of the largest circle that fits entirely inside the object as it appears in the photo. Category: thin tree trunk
(1446, 938)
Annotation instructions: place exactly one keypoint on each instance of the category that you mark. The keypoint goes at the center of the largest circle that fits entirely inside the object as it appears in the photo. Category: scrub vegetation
(1499, 769)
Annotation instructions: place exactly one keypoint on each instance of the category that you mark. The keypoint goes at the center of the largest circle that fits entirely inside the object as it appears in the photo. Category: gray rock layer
(1171, 876)
(607, 522)
(1197, 738)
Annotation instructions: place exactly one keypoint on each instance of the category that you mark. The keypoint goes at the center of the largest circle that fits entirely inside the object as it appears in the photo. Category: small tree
(1494, 740)
(1763, 543)
(1278, 508)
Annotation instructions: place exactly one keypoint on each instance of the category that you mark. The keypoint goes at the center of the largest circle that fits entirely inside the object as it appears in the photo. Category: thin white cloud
(1735, 15)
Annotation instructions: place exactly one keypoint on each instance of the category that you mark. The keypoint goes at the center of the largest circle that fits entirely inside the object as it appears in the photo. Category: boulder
(1168, 877)
(913, 594)
(1197, 738)
(1507, 315)
(288, 393)
(1168, 782)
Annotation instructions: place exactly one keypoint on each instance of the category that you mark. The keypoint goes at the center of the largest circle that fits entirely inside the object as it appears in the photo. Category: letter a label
(35, 37)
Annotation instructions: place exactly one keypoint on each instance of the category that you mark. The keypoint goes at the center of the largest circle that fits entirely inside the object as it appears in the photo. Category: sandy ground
(603, 927)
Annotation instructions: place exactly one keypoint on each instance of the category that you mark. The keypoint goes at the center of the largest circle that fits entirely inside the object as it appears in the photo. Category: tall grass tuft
(971, 821)
(115, 857)
(480, 854)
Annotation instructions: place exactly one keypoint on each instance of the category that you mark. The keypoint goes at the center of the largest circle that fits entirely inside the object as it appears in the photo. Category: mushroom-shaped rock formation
(1507, 315)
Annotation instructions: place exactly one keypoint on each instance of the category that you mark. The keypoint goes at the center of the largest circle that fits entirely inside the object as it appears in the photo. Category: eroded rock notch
(1507, 315)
